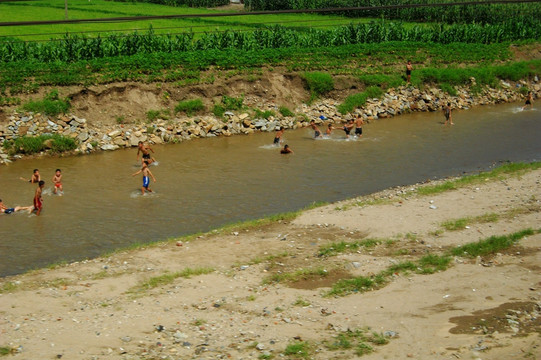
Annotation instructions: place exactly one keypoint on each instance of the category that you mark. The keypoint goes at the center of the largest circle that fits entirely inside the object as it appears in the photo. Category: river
(205, 183)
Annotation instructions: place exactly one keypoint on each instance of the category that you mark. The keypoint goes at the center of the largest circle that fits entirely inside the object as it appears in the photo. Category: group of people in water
(347, 128)
(38, 199)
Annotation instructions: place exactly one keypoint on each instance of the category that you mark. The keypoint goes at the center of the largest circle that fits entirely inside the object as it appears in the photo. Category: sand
(477, 308)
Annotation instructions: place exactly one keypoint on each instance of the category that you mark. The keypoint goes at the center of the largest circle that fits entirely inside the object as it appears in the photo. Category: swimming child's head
(36, 171)
(58, 171)
(41, 183)
(145, 163)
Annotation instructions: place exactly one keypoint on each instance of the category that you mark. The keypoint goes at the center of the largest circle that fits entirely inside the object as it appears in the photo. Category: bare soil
(116, 307)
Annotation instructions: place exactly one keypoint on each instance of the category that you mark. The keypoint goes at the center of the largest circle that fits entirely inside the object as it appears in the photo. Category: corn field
(74, 48)
(484, 14)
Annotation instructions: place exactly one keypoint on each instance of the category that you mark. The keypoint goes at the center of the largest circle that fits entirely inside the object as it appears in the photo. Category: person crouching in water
(146, 174)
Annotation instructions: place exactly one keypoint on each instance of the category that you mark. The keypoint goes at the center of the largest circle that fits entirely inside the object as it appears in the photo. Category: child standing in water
(57, 181)
(146, 173)
(317, 132)
(278, 136)
(38, 200)
(145, 150)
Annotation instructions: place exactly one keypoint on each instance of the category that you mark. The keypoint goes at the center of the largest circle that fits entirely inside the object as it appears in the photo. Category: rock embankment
(396, 101)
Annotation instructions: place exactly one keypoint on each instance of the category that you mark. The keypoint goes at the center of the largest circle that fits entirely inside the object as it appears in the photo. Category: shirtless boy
(38, 200)
(5, 210)
(286, 150)
(144, 149)
(36, 177)
(317, 132)
(57, 181)
(348, 127)
(146, 173)
(359, 122)
(278, 136)
(447, 114)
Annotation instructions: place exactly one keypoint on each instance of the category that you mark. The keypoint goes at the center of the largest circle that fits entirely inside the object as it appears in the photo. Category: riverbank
(265, 289)
(260, 113)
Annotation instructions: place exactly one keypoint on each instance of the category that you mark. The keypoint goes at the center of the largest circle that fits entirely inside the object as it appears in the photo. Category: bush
(357, 100)
(318, 83)
(190, 106)
(385, 81)
(31, 145)
(218, 110)
(232, 103)
(449, 89)
(51, 105)
(285, 111)
(263, 114)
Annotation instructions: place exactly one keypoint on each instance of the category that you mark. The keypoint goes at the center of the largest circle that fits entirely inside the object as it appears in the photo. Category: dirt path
(122, 307)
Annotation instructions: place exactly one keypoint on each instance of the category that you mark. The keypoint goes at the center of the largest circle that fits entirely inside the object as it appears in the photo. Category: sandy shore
(213, 297)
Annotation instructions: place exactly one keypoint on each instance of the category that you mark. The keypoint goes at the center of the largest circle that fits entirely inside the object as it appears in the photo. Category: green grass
(190, 107)
(492, 245)
(31, 145)
(361, 341)
(5, 350)
(344, 246)
(299, 350)
(301, 302)
(318, 83)
(51, 105)
(460, 224)
(355, 101)
(285, 111)
(263, 114)
(301, 274)
(168, 278)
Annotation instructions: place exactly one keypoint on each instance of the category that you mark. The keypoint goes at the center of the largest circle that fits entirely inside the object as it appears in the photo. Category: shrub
(51, 105)
(232, 103)
(218, 110)
(285, 111)
(263, 114)
(31, 145)
(153, 115)
(382, 80)
(318, 83)
(190, 106)
(357, 100)
(449, 89)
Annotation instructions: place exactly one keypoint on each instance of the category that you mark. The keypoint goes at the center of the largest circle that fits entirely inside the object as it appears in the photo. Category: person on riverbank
(286, 150)
(146, 174)
(447, 112)
(278, 136)
(38, 200)
(36, 177)
(348, 127)
(57, 181)
(409, 68)
(145, 150)
(317, 132)
(359, 122)
(529, 101)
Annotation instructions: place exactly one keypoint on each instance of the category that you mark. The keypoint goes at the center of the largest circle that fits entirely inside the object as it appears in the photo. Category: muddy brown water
(205, 183)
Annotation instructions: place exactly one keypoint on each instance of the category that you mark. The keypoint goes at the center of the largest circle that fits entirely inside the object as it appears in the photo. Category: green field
(98, 9)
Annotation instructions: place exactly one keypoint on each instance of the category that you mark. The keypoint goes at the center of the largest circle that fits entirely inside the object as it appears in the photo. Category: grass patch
(31, 145)
(359, 284)
(263, 114)
(301, 302)
(285, 111)
(8, 287)
(51, 105)
(461, 223)
(318, 83)
(168, 278)
(361, 341)
(343, 246)
(492, 245)
(6, 350)
(190, 107)
(301, 274)
(355, 101)
(299, 350)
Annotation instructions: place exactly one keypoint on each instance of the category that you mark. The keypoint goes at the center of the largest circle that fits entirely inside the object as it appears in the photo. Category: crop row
(76, 48)
(486, 13)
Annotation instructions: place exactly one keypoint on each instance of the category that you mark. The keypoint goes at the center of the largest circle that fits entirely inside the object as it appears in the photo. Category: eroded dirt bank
(151, 304)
